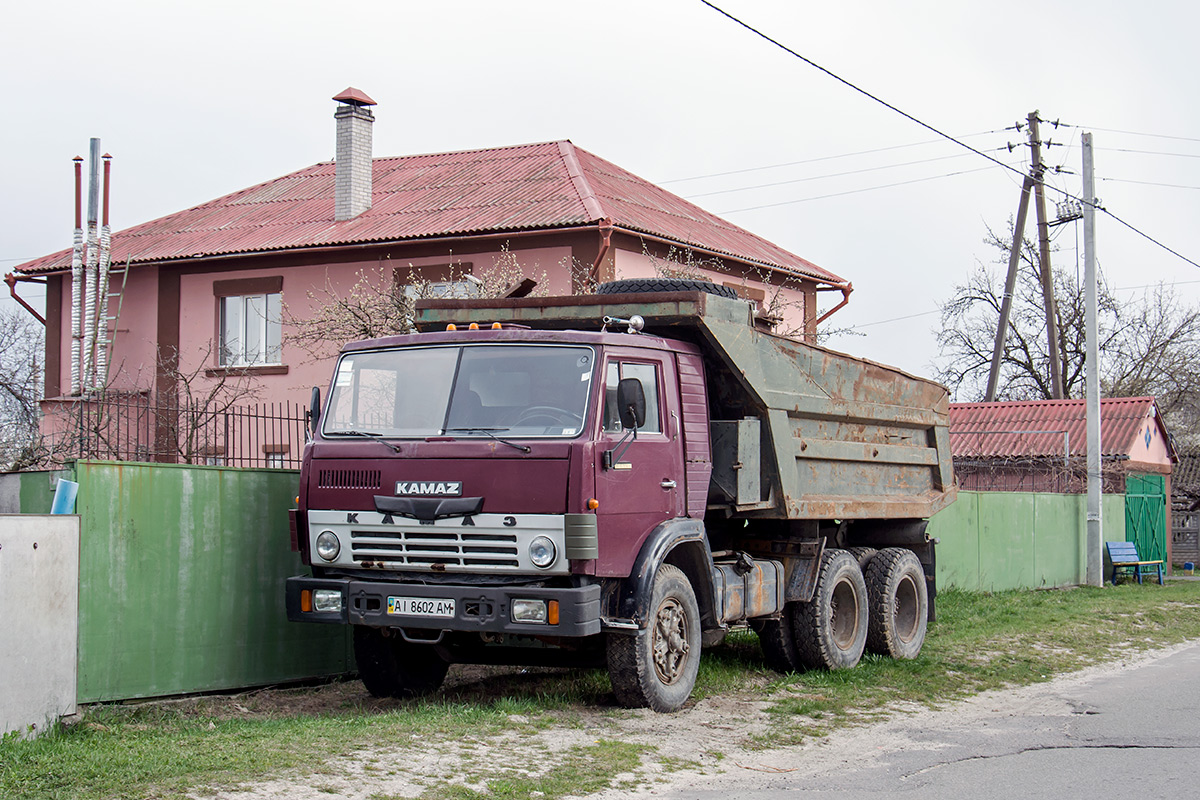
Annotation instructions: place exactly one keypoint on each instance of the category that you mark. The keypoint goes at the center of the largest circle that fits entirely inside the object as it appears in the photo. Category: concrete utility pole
(1039, 171)
(1095, 564)
(1010, 284)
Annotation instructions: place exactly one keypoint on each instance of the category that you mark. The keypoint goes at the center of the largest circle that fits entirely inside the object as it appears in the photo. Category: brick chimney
(352, 188)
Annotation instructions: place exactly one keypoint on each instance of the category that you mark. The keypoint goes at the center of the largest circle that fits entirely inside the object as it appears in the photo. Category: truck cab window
(648, 375)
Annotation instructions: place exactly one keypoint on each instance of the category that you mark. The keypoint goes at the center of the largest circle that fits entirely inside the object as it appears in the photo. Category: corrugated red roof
(1036, 428)
(529, 187)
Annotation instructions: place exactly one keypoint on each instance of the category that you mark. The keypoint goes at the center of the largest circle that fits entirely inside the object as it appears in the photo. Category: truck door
(646, 486)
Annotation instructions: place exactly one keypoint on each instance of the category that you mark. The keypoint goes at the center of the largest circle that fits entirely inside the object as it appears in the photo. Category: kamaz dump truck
(616, 479)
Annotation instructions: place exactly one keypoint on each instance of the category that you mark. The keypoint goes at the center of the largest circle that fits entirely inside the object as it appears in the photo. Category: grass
(498, 726)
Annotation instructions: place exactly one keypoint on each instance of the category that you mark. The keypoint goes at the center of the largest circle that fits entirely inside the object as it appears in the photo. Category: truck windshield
(470, 390)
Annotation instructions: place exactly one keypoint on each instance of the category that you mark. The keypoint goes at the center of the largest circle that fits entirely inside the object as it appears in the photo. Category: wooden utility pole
(1039, 171)
(1010, 285)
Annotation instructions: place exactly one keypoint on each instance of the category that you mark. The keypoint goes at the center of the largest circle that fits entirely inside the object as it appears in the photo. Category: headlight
(327, 600)
(542, 552)
(328, 545)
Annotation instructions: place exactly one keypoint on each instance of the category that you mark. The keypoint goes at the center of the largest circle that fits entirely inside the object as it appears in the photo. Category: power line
(895, 319)
(1147, 152)
(855, 191)
(858, 89)
(823, 158)
(1131, 133)
(1149, 183)
(932, 129)
(831, 175)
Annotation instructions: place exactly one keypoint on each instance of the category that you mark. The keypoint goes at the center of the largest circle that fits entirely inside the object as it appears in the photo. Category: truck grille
(349, 479)
(423, 548)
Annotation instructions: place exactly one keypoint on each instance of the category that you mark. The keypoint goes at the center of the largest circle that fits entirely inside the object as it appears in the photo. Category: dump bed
(832, 436)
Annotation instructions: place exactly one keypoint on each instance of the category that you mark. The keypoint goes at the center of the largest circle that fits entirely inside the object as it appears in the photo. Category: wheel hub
(670, 642)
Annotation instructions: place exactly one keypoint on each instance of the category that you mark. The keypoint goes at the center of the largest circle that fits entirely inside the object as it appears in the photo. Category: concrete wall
(39, 574)
(990, 541)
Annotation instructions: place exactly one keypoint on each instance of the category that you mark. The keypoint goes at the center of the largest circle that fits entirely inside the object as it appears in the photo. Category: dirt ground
(704, 740)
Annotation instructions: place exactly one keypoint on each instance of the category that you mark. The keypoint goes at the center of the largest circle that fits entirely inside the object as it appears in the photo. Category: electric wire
(1148, 183)
(823, 158)
(855, 191)
(1129, 133)
(934, 130)
(831, 175)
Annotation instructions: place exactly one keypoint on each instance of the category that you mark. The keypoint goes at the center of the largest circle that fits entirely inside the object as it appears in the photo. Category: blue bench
(1124, 556)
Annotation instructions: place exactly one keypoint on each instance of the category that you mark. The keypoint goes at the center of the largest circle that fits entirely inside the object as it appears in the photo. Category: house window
(250, 330)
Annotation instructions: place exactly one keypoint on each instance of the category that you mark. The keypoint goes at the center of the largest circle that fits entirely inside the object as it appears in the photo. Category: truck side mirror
(631, 403)
(314, 411)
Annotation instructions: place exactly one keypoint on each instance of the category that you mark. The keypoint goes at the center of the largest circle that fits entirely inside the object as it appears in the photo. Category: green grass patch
(979, 642)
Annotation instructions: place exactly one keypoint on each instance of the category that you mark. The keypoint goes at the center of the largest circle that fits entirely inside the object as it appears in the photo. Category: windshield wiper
(489, 432)
(379, 437)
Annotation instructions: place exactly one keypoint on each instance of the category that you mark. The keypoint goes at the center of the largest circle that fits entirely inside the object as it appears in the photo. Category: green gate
(1146, 515)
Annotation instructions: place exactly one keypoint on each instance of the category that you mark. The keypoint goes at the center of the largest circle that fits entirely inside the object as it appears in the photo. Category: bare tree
(1148, 346)
(21, 365)
(381, 301)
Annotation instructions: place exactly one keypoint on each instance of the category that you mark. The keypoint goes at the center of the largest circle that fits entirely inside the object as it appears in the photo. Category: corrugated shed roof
(529, 187)
(1036, 428)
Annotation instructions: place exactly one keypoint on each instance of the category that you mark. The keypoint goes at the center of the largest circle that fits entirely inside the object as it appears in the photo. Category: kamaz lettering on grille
(429, 488)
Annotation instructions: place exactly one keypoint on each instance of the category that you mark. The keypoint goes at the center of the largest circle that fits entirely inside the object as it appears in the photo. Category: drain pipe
(846, 290)
(11, 280)
(77, 281)
(102, 288)
(88, 367)
(606, 231)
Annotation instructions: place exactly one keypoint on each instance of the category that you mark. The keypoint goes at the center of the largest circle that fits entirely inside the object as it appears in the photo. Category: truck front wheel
(391, 667)
(899, 603)
(830, 631)
(657, 668)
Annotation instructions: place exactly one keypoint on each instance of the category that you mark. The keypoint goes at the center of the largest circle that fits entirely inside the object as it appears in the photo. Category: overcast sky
(196, 101)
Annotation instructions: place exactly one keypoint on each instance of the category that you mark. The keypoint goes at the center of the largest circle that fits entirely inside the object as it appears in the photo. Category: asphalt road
(1133, 730)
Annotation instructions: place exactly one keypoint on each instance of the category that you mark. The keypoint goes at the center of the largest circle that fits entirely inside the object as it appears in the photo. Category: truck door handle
(668, 483)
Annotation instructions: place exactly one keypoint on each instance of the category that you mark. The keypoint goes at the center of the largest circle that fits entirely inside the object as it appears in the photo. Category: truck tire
(657, 668)
(899, 603)
(831, 629)
(641, 285)
(391, 667)
(863, 556)
(778, 643)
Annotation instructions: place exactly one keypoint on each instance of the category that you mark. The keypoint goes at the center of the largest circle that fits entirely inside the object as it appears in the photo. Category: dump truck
(616, 479)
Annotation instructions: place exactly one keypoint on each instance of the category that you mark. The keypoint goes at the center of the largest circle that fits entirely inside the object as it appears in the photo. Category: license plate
(420, 606)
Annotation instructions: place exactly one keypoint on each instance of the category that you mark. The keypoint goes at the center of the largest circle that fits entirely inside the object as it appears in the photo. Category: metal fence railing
(139, 427)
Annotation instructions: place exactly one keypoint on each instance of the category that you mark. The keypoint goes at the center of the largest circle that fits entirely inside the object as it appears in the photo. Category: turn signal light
(593, 504)
(552, 612)
(306, 600)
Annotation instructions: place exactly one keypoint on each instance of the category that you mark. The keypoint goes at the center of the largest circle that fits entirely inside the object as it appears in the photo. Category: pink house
(204, 295)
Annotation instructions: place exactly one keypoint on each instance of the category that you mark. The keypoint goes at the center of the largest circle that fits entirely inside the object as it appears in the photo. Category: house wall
(1150, 445)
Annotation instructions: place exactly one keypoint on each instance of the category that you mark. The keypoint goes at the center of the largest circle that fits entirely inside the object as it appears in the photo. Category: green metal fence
(990, 541)
(182, 571)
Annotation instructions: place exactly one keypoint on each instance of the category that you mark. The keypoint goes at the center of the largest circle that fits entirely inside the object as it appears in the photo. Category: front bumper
(476, 608)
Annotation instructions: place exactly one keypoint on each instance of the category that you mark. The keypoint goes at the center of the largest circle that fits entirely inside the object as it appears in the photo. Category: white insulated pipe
(90, 268)
(102, 288)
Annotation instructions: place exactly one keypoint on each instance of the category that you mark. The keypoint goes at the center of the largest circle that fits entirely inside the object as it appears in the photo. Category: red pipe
(606, 231)
(78, 191)
(846, 290)
(107, 172)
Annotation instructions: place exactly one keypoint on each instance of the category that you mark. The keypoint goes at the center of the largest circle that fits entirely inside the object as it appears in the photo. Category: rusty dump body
(798, 431)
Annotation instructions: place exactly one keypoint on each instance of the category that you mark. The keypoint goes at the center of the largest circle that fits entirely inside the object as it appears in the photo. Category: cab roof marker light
(451, 327)
(474, 326)
(496, 326)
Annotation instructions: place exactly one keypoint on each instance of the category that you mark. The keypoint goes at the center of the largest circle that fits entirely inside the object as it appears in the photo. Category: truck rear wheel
(899, 603)
(830, 630)
(391, 667)
(657, 668)
(778, 643)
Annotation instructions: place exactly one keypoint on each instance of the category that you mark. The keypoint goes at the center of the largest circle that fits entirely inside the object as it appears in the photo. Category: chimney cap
(354, 97)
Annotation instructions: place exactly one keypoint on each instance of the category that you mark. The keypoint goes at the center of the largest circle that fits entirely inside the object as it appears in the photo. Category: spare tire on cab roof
(642, 285)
